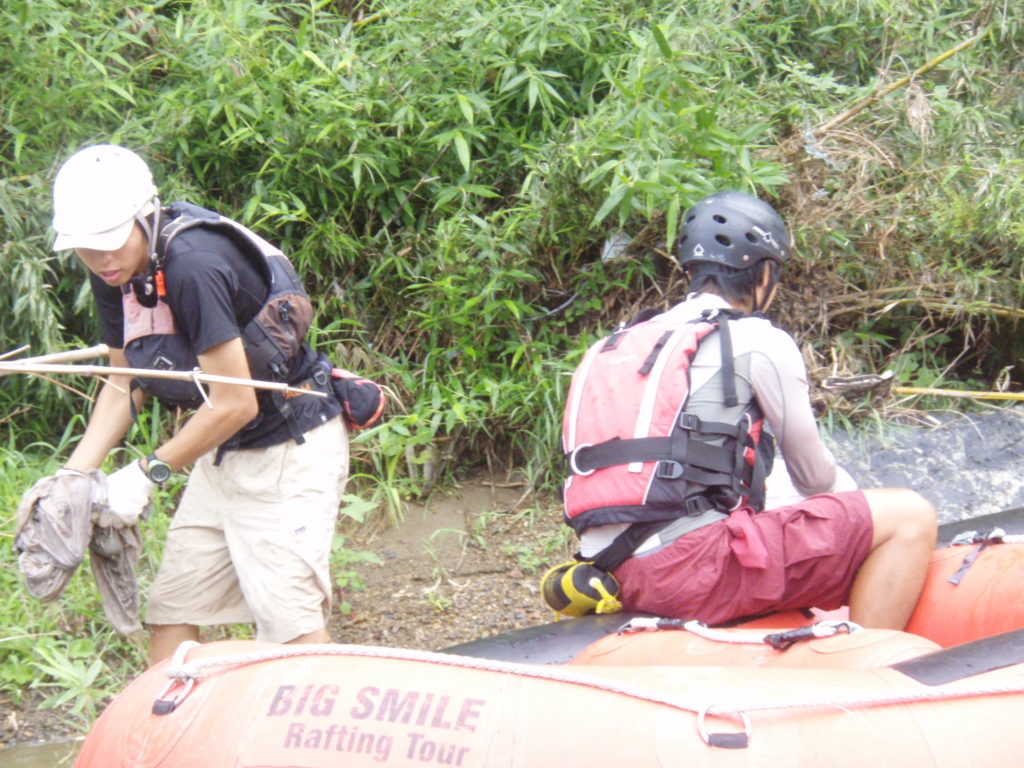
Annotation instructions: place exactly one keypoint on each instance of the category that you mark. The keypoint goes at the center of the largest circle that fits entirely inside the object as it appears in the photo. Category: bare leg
(319, 636)
(889, 582)
(164, 639)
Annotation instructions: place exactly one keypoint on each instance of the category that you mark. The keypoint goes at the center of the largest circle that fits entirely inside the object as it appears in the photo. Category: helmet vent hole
(723, 240)
(751, 238)
(719, 218)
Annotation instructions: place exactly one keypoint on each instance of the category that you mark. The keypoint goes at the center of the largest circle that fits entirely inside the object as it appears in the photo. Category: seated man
(668, 431)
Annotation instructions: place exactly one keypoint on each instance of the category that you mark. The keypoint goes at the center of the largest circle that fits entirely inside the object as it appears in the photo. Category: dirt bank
(464, 565)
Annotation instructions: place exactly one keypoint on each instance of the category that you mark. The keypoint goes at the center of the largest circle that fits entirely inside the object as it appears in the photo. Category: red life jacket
(636, 453)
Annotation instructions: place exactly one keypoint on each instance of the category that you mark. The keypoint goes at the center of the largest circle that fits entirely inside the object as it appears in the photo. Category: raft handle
(723, 740)
(164, 706)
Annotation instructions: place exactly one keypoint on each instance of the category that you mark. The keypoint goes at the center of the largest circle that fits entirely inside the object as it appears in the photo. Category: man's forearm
(107, 426)
(234, 406)
(205, 430)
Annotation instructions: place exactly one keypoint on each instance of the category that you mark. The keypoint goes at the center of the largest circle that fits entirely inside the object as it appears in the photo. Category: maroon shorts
(814, 548)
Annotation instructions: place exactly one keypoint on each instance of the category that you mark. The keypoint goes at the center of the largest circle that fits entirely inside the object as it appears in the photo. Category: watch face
(159, 471)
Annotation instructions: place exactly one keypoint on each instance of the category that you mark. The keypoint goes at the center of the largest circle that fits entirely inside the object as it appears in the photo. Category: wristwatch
(156, 470)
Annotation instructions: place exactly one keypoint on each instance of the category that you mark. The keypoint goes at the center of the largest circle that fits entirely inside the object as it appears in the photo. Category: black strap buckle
(689, 421)
(696, 505)
(669, 470)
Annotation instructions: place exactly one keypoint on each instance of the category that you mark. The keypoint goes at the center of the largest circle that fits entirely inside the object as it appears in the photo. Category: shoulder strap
(722, 317)
(180, 216)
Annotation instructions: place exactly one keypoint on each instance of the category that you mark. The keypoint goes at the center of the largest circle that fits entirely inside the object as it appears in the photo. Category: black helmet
(732, 228)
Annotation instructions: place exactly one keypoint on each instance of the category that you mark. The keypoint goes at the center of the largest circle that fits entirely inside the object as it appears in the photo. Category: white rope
(826, 628)
(194, 670)
(876, 700)
(728, 636)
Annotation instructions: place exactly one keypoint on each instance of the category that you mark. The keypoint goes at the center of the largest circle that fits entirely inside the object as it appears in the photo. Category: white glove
(128, 492)
(68, 472)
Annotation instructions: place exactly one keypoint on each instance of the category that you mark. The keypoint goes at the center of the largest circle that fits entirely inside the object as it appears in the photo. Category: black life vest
(274, 338)
(636, 452)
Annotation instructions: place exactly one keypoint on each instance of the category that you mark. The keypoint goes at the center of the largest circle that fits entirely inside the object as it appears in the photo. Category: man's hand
(128, 492)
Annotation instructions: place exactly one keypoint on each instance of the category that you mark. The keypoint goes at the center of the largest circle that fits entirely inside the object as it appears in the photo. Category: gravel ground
(466, 565)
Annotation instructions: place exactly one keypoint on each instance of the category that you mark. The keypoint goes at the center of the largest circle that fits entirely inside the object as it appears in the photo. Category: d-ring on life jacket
(636, 453)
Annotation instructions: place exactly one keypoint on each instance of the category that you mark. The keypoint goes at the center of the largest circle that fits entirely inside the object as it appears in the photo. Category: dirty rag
(61, 516)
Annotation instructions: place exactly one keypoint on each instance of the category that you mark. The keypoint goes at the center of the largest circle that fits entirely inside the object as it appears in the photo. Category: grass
(452, 237)
(65, 648)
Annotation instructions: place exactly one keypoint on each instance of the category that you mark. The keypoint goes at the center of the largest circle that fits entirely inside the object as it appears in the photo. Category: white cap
(97, 194)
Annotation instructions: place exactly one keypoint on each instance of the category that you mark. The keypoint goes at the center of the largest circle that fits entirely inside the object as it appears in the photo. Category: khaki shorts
(251, 539)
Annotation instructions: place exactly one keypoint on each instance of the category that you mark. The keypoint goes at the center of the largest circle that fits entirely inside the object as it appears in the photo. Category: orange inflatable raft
(754, 695)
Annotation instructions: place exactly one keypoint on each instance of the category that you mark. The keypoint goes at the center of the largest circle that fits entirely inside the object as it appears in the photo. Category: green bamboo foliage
(447, 177)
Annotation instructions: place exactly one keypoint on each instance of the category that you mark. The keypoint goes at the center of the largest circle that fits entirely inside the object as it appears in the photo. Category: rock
(967, 465)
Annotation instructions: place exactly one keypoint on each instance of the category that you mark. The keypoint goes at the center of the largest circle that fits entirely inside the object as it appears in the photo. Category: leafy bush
(448, 177)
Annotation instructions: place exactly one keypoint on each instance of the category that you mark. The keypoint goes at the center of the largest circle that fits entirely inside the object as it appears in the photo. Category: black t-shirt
(214, 289)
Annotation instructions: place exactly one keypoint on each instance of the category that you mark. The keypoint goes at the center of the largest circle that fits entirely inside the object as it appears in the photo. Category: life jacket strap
(729, 396)
(622, 547)
(691, 455)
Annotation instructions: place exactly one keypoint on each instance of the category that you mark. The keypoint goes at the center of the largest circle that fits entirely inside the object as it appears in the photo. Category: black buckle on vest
(689, 421)
(696, 505)
(669, 470)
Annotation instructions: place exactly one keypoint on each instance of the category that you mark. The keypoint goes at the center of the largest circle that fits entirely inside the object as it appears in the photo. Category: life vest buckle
(689, 422)
(161, 363)
(320, 377)
(669, 470)
(696, 505)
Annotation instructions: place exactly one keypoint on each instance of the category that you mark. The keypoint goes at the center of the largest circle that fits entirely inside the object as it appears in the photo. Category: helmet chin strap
(149, 288)
(151, 229)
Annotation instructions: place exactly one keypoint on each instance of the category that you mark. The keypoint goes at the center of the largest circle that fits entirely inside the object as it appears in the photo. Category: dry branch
(936, 305)
(958, 393)
(70, 356)
(860, 106)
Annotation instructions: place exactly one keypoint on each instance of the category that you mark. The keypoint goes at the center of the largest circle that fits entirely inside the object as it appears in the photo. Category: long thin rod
(69, 356)
(109, 370)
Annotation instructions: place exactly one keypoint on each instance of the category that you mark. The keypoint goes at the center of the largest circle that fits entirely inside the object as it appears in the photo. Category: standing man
(178, 288)
(668, 432)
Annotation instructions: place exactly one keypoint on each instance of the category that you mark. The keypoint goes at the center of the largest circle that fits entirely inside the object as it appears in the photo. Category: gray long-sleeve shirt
(769, 368)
